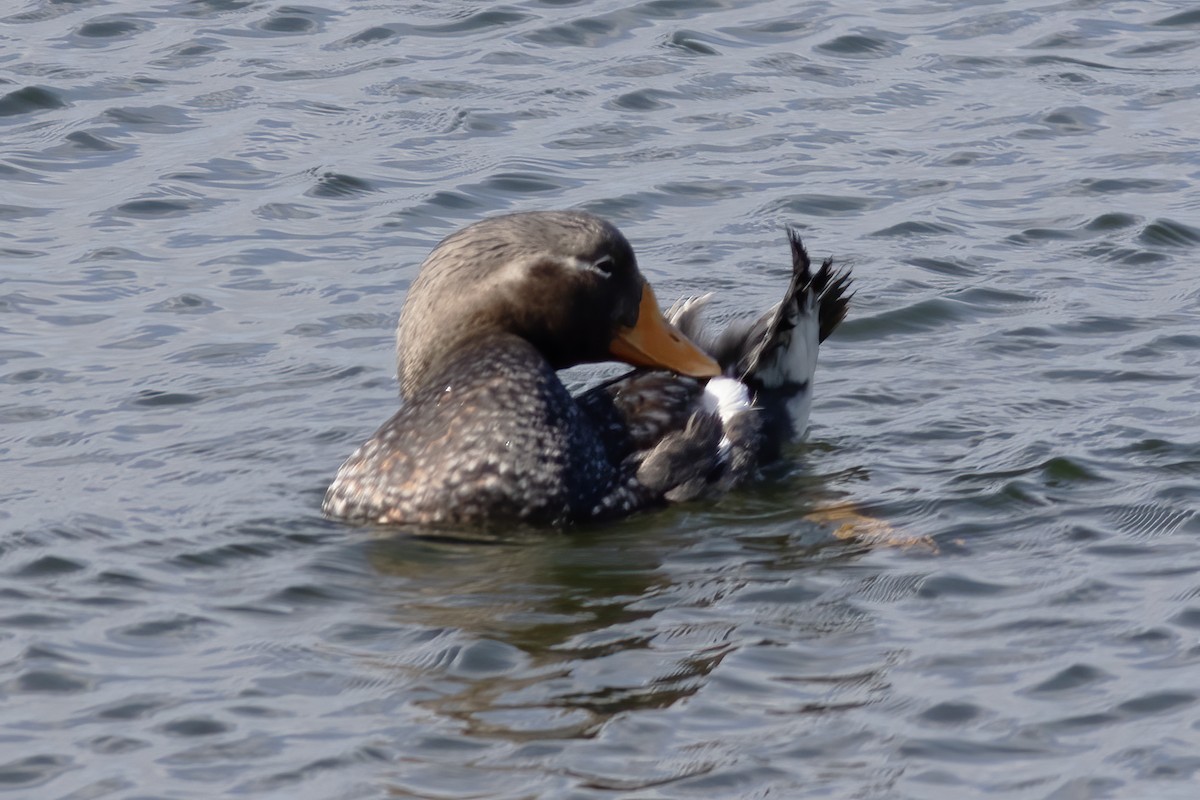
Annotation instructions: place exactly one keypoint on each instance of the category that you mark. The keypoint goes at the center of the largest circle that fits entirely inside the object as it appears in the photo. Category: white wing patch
(726, 397)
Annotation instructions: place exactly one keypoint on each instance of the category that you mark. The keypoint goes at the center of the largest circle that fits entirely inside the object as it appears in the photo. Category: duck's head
(565, 281)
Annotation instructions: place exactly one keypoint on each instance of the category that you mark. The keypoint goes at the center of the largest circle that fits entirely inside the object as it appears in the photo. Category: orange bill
(654, 342)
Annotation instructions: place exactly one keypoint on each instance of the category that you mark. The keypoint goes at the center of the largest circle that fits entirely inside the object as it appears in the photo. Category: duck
(487, 433)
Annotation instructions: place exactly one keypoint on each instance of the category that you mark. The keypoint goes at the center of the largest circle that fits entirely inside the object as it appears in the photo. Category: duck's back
(493, 436)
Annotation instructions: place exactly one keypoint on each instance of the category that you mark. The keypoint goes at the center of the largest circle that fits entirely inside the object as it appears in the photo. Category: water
(980, 578)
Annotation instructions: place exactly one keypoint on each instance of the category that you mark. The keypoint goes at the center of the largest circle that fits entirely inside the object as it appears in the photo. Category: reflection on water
(977, 579)
(538, 607)
(606, 635)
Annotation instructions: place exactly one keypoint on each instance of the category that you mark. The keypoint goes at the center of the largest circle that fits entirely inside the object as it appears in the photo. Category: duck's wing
(634, 411)
(780, 346)
(776, 354)
(660, 429)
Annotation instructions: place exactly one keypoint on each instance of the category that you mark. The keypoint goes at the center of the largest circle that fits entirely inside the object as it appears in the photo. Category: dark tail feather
(744, 347)
(830, 287)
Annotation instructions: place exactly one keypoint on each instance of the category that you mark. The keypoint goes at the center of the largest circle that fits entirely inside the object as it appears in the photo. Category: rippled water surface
(979, 578)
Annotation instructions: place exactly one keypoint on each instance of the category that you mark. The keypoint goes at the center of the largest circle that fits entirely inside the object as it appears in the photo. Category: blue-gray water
(210, 212)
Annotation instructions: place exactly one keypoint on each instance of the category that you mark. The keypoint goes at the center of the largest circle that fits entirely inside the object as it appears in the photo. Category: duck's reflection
(535, 635)
(538, 622)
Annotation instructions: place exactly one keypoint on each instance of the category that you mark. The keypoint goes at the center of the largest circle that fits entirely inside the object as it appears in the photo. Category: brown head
(565, 281)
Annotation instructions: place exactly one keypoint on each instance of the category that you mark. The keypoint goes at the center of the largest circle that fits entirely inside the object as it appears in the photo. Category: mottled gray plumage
(488, 433)
(492, 435)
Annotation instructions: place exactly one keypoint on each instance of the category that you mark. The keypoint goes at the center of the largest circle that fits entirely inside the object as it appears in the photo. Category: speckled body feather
(493, 435)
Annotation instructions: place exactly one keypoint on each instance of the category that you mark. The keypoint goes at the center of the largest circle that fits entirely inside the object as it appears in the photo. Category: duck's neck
(477, 358)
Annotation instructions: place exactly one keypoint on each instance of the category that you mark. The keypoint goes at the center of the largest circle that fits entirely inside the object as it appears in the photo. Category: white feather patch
(726, 397)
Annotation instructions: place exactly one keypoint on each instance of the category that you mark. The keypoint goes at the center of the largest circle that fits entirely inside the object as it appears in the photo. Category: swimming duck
(488, 433)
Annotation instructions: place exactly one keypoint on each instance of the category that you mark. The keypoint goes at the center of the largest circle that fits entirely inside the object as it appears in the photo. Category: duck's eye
(604, 265)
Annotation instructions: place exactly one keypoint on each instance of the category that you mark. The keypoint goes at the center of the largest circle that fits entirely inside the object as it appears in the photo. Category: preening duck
(488, 433)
